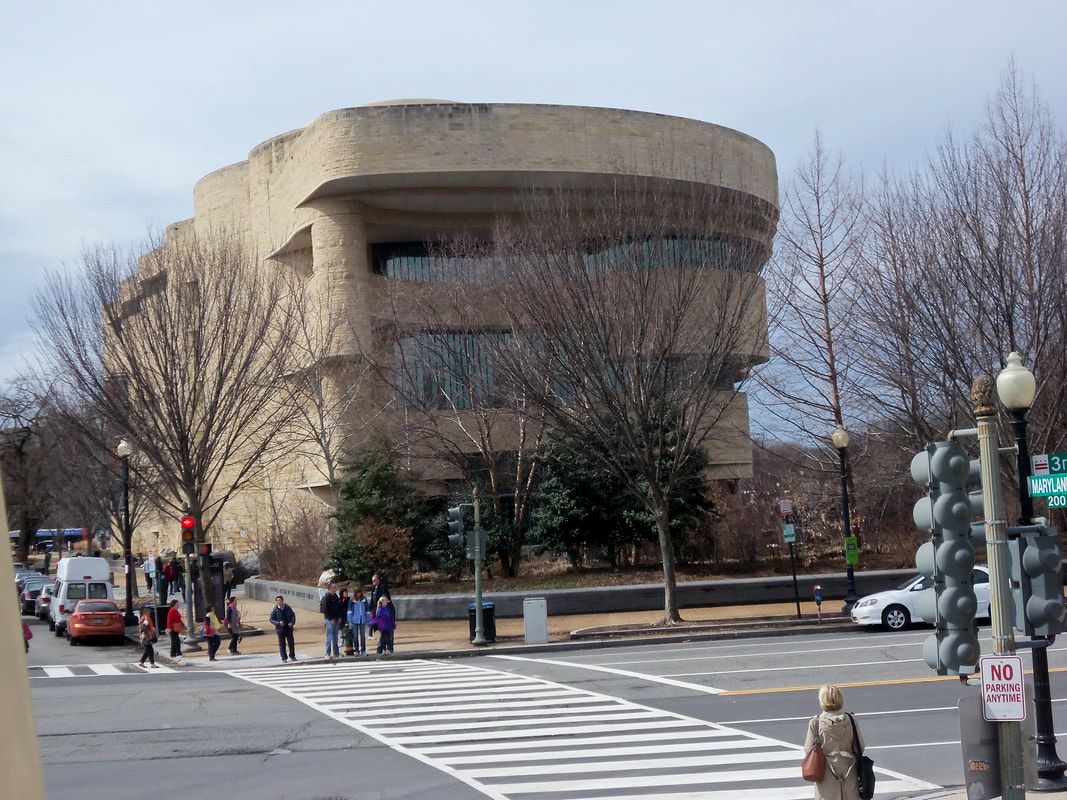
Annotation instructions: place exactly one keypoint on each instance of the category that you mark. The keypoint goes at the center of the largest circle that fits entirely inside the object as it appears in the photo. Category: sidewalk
(426, 638)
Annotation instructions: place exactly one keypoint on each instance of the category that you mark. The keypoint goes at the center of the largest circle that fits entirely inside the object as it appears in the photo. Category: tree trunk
(670, 578)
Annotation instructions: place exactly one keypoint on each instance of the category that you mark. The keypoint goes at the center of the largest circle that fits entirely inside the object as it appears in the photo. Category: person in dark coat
(283, 618)
(330, 605)
(232, 620)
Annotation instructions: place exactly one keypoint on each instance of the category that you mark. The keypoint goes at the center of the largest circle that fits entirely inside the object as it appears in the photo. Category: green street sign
(789, 533)
(1057, 462)
(852, 551)
(1048, 485)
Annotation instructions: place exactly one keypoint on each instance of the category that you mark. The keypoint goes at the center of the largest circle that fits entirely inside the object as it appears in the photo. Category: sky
(111, 111)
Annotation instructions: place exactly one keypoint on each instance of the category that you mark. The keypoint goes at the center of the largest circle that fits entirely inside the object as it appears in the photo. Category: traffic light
(455, 526)
(188, 524)
(947, 472)
(1036, 581)
(205, 549)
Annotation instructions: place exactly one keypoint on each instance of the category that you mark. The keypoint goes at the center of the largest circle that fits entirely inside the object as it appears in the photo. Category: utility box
(535, 620)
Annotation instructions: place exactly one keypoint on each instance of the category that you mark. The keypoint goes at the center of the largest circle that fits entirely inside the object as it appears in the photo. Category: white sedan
(897, 608)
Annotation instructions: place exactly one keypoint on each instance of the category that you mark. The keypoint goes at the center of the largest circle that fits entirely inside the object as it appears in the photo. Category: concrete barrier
(606, 599)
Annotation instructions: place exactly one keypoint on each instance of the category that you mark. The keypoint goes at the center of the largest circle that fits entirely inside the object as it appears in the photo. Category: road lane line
(883, 682)
(507, 747)
(792, 668)
(58, 672)
(555, 755)
(855, 713)
(105, 669)
(664, 679)
(683, 762)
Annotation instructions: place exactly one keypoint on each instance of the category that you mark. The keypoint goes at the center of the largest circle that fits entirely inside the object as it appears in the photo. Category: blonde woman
(832, 729)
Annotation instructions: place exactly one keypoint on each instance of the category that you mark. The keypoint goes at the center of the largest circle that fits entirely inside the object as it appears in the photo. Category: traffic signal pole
(1009, 734)
(479, 629)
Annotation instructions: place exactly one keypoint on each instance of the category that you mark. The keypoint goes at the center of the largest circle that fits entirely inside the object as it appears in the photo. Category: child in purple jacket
(385, 620)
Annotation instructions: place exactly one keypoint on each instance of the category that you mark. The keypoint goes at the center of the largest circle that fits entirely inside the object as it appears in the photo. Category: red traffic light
(188, 522)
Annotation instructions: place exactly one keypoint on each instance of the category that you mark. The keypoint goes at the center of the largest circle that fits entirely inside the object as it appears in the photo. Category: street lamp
(123, 451)
(1017, 388)
(840, 439)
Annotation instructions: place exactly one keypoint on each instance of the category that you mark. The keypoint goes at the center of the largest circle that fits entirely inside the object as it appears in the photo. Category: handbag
(178, 627)
(864, 765)
(813, 767)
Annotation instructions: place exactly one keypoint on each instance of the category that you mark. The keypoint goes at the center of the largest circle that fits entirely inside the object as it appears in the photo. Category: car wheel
(58, 630)
(51, 624)
(896, 618)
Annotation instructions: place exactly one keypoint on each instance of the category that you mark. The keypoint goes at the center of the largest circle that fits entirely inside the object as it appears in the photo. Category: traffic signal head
(946, 513)
(455, 526)
(1037, 582)
(188, 523)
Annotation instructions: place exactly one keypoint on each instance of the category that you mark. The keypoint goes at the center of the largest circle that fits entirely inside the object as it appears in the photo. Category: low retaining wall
(606, 599)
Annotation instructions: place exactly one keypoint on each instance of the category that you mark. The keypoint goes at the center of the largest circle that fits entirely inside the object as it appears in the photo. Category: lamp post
(1017, 388)
(123, 451)
(840, 440)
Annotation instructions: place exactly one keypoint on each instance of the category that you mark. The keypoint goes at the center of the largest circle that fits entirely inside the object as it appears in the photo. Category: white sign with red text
(1003, 696)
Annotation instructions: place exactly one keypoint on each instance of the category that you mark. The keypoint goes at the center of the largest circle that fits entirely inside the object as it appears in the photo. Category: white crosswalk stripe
(512, 736)
(93, 670)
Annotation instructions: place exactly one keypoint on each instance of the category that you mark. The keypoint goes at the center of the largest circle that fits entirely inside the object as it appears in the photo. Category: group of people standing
(176, 627)
(357, 614)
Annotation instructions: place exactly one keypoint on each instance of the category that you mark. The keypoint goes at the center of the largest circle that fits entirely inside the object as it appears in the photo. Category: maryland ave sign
(1047, 485)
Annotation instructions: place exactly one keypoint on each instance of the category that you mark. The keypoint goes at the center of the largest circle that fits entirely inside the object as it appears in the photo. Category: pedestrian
(833, 731)
(161, 585)
(175, 627)
(233, 625)
(330, 606)
(211, 632)
(146, 630)
(385, 621)
(346, 630)
(27, 634)
(147, 567)
(378, 590)
(358, 614)
(283, 618)
(227, 579)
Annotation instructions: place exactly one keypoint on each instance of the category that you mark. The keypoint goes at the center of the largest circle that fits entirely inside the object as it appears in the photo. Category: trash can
(159, 614)
(488, 620)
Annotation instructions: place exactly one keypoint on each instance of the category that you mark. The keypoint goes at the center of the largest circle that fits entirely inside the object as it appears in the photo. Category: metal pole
(127, 539)
(1049, 766)
(479, 630)
(1009, 734)
(796, 589)
(850, 594)
(190, 642)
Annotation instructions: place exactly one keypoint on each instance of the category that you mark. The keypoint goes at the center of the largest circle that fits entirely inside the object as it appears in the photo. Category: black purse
(864, 765)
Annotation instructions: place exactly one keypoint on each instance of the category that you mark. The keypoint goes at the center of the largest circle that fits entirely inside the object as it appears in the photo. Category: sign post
(789, 534)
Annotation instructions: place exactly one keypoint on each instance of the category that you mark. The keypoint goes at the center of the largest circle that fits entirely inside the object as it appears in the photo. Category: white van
(80, 578)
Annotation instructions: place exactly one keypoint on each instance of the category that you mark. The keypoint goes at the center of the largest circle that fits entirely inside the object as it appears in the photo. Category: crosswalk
(92, 670)
(514, 736)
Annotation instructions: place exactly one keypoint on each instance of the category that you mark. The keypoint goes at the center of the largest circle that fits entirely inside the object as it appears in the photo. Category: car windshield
(97, 607)
(907, 584)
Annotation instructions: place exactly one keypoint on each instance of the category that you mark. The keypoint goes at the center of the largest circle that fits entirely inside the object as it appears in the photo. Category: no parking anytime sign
(1003, 696)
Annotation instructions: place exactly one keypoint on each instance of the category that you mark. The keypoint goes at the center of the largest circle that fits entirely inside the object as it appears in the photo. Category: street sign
(785, 506)
(789, 533)
(1047, 485)
(852, 551)
(1003, 695)
(1039, 464)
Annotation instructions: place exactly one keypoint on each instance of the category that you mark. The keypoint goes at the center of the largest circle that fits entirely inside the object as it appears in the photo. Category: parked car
(94, 619)
(44, 599)
(31, 589)
(897, 608)
(77, 579)
(23, 575)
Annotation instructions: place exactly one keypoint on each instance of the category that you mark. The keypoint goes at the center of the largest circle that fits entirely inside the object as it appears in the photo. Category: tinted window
(76, 591)
(978, 576)
(98, 591)
(97, 607)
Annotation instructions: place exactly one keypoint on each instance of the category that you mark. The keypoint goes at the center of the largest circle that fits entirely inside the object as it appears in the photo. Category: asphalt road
(704, 721)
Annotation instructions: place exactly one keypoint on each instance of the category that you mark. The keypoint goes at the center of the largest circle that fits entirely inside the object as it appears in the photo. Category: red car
(95, 619)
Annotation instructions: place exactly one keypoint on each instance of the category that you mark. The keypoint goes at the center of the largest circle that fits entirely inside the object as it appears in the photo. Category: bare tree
(966, 263)
(181, 348)
(441, 349)
(637, 310)
(24, 463)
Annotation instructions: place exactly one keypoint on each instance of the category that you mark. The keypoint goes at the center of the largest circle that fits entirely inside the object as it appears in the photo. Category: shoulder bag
(864, 765)
(813, 767)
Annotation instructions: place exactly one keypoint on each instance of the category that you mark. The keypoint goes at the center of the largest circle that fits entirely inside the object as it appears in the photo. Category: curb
(754, 624)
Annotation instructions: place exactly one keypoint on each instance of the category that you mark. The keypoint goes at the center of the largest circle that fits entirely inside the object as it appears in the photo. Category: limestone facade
(317, 199)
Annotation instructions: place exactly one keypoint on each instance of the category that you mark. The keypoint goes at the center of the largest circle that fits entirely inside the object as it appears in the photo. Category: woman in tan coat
(833, 729)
